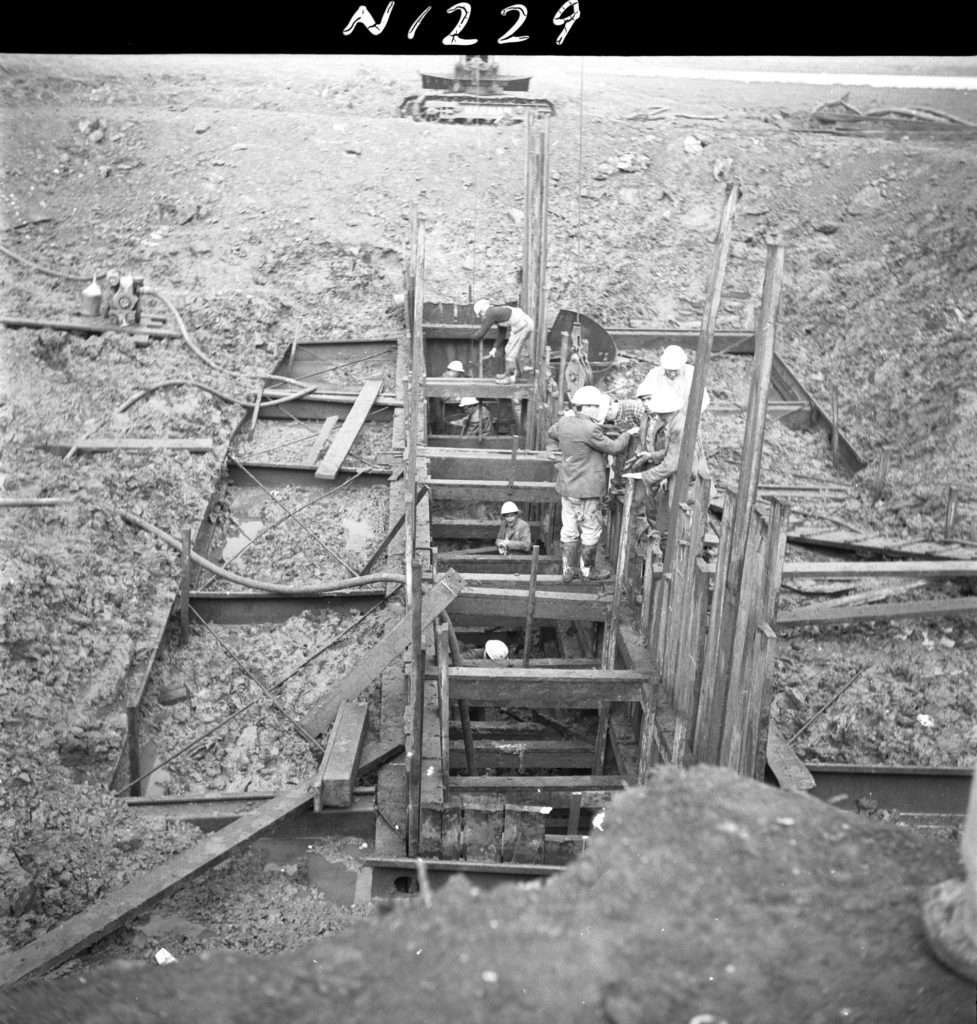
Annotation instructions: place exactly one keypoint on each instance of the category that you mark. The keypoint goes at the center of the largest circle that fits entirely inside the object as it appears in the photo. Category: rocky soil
(270, 197)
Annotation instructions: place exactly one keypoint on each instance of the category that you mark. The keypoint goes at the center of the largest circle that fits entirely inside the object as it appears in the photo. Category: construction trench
(500, 771)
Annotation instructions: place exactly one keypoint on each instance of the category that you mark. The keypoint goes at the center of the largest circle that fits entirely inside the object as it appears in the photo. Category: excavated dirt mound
(710, 898)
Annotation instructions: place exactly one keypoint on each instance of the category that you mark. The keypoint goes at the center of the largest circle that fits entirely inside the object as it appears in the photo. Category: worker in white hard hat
(514, 533)
(658, 453)
(495, 650)
(582, 481)
(516, 325)
(617, 415)
(674, 371)
(440, 409)
(475, 419)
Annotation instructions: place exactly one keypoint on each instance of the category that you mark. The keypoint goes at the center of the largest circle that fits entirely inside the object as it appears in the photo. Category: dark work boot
(571, 552)
(588, 562)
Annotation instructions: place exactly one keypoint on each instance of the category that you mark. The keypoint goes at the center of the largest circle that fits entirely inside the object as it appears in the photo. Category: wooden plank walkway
(86, 928)
(880, 547)
(346, 434)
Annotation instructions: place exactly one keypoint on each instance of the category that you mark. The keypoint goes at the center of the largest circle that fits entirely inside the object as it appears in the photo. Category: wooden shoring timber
(483, 822)
(730, 570)
(476, 387)
(346, 435)
(857, 570)
(338, 397)
(194, 445)
(112, 911)
(394, 642)
(390, 836)
(519, 491)
(693, 404)
(95, 325)
(489, 568)
(885, 547)
(818, 615)
(787, 768)
(322, 438)
(336, 777)
(474, 463)
(523, 835)
(550, 604)
(505, 579)
(511, 757)
(624, 744)
(712, 693)
(542, 688)
(609, 653)
(443, 657)
(542, 790)
(748, 707)
(683, 623)
(472, 529)
(638, 658)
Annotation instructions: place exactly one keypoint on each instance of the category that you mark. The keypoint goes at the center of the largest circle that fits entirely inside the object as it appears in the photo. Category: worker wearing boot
(514, 533)
(657, 458)
(519, 325)
(582, 481)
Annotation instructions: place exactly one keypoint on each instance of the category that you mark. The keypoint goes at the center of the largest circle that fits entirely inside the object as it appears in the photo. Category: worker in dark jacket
(582, 480)
(519, 325)
(514, 533)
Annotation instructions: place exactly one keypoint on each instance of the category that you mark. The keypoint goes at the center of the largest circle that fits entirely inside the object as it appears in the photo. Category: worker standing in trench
(519, 325)
(657, 458)
(582, 481)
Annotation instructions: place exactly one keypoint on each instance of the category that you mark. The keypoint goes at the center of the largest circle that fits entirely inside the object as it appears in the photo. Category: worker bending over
(519, 325)
(514, 533)
(582, 481)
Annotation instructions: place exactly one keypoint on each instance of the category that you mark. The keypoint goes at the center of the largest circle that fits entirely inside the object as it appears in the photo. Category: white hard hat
(468, 400)
(480, 306)
(587, 395)
(673, 358)
(663, 400)
(509, 506)
(456, 365)
(496, 650)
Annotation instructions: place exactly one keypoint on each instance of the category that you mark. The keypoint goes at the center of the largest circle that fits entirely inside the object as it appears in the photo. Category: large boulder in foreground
(708, 895)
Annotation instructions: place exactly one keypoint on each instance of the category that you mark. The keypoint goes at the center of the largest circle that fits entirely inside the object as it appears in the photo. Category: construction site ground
(268, 198)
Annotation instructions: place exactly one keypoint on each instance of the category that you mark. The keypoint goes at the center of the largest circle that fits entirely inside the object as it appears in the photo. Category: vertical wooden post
(417, 721)
(609, 653)
(878, 488)
(729, 574)
(530, 606)
(573, 815)
(647, 592)
(600, 747)
(185, 566)
(834, 425)
(444, 700)
(951, 511)
(693, 408)
(133, 741)
(683, 623)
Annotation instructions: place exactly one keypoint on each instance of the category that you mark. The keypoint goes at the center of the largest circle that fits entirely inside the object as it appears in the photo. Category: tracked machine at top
(475, 94)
